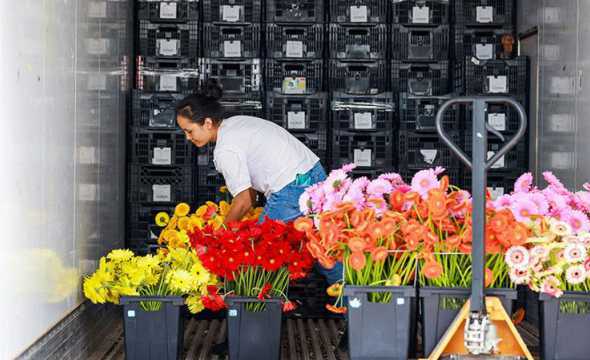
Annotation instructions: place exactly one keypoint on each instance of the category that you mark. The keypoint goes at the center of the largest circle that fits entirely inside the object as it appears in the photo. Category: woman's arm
(240, 205)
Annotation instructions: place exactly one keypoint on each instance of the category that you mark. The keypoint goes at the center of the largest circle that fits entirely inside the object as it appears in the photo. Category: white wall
(63, 89)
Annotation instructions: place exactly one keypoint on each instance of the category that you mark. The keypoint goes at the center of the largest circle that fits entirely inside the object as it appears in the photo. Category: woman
(253, 155)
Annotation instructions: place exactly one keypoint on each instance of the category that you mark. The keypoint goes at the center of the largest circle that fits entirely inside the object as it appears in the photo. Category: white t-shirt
(253, 152)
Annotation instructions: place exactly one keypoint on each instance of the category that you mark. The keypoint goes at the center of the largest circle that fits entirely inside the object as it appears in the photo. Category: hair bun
(212, 89)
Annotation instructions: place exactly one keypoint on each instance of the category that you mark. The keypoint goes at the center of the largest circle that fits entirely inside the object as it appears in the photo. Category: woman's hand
(240, 205)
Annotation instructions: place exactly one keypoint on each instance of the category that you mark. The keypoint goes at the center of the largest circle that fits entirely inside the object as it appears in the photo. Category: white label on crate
(551, 52)
(363, 120)
(561, 123)
(162, 156)
(97, 46)
(496, 192)
(551, 15)
(561, 85)
(355, 303)
(358, 13)
(362, 157)
(232, 312)
(484, 14)
(87, 192)
(97, 81)
(498, 164)
(400, 301)
(230, 13)
(97, 9)
(87, 155)
(294, 85)
(497, 121)
(484, 51)
(131, 313)
(498, 84)
(429, 155)
(561, 160)
(168, 10)
(162, 193)
(294, 49)
(296, 119)
(168, 47)
(168, 83)
(420, 15)
(232, 48)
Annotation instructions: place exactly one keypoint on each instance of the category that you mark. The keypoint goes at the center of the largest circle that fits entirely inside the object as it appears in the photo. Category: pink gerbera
(575, 274)
(523, 208)
(542, 203)
(582, 200)
(348, 167)
(394, 178)
(305, 204)
(523, 183)
(587, 265)
(519, 277)
(554, 183)
(423, 181)
(504, 201)
(379, 187)
(577, 219)
(517, 257)
(551, 285)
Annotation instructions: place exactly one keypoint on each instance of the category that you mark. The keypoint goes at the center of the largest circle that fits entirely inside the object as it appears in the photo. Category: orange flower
(432, 269)
(357, 260)
(334, 290)
(488, 277)
(397, 200)
(303, 224)
(453, 241)
(499, 222)
(521, 234)
(437, 204)
(518, 316)
(314, 249)
(336, 309)
(444, 183)
(326, 261)
(412, 196)
(379, 254)
(465, 248)
(376, 232)
(356, 244)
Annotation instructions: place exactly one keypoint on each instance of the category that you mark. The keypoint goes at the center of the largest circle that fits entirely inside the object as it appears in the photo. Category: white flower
(574, 253)
(560, 228)
(517, 257)
(575, 274)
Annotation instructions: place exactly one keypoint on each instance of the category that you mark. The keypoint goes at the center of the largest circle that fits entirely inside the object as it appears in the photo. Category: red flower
(289, 306)
(264, 291)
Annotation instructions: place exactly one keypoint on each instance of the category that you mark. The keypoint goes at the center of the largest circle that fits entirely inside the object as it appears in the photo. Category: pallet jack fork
(482, 329)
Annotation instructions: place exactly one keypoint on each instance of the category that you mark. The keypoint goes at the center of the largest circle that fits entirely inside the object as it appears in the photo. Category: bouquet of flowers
(171, 272)
(177, 227)
(254, 259)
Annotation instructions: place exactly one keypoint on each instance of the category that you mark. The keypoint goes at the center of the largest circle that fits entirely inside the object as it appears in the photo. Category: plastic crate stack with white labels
(486, 64)
(161, 162)
(361, 103)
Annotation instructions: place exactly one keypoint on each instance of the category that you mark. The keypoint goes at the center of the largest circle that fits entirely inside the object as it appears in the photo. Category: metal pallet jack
(482, 329)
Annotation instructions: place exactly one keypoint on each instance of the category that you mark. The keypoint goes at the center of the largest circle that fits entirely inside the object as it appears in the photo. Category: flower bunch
(177, 227)
(529, 203)
(554, 259)
(171, 272)
(255, 259)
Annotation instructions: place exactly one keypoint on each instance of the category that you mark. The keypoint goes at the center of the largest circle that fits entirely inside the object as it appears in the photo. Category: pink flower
(523, 208)
(554, 183)
(335, 180)
(540, 252)
(584, 238)
(587, 265)
(574, 253)
(504, 201)
(523, 183)
(575, 274)
(423, 181)
(305, 204)
(582, 200)
(557, 201)
(356, 196)
(550, 286)
(577, 219)
(348, 167)
(379, 187)
(439, 170)
(519, 277)
(542, 203)
(517, 257)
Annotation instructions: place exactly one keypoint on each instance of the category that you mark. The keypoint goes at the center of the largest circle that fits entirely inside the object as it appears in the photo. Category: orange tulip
(357, 260)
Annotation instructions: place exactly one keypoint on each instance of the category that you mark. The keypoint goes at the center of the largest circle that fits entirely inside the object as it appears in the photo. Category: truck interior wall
(64, 75)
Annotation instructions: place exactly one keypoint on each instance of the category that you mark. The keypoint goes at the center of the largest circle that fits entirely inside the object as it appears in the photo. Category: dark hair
(204, 104)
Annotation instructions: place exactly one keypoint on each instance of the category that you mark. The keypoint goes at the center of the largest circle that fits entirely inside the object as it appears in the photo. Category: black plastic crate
(235, 105)
(497, 185)
(483, 44)
(362, 113)
(168, 11)
(501, 117)
(169, 40)
(358, 42)
(420, 79)
(494, 77)
(232, 11)
(160, 148)
(156, 184)
(294, 77)
(417, 113)
(105, 11)
(231, 41)
(237, 77)
(158, 75)
(515, 160)
(358, 11)
(366, 150)
(142, 230)
(155, 111)
(298, 113)
(289, 11)
(209, 181)
(358, 78)
(420, 151)
(420, 43)
(485, 13)
(455, 174)
(316, 142)
(292, 41)
(421, 12)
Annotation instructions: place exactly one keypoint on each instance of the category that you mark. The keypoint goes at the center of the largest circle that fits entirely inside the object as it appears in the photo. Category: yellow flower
(173, 222)
(181, 281)
(162, 219)
(194, 303)
(184, 223)
(94, 290)
(223, 189)
(196, 222)
(170, 236)
(395, 280)
(182, 209)
(201, 211)
(201, 275)
(224, 208)
(120, 255)
(334, 290)
(216, 222)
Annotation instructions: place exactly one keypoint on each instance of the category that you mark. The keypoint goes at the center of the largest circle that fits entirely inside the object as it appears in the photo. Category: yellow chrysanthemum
(194, 303)
(182, 209)
(120, 255)
(181, 281)
(162, 219)
(184, 223)
(94, 290)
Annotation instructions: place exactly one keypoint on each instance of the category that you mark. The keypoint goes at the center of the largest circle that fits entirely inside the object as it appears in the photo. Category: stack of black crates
(361, 103)
(486, 64)
(295, 68)
(161, 163)
(421, 83)
(232, 55)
